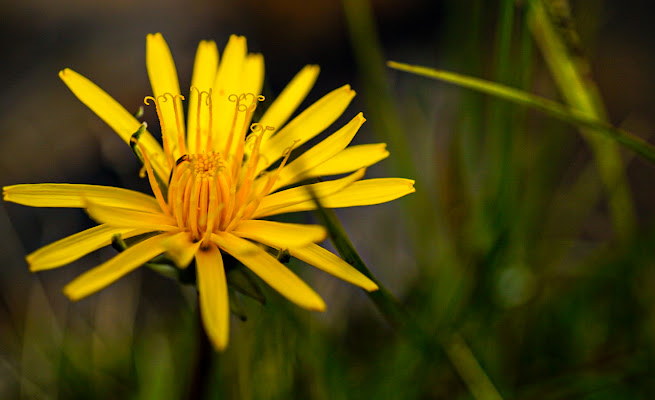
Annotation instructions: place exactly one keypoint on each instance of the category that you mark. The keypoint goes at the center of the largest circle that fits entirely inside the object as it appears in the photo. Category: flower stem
(199, 382)
(468, 368)
(458, 352)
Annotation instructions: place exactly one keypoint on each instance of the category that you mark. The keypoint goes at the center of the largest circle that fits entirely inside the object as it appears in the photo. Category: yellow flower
(216, 178)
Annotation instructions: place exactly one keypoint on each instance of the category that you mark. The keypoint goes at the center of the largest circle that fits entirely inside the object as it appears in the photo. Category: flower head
(215, 177)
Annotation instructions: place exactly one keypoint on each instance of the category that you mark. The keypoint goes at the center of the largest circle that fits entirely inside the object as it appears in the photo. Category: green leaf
(552, 28)
(550, 107)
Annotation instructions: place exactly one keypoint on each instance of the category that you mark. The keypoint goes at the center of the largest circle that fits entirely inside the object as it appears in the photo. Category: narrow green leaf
(553, 30)
(550, 107)
(404, 322)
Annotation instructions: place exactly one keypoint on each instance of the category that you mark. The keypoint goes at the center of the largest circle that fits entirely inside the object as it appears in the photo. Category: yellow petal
(279, 234)
(270, 270)
(306, 125)
(273, 202)
(350, 159)
(362, 193)
(253, 74)
(214, 301)
(290, 98)
(295, 171)
(324, 260)
(76, 196)
(160, 65)
(124, 217)
(163, 79)
(204, 74)
(117, 117)
(76, 246)
(228, 81)
(252, 81)
(181, 248)
(110, 271)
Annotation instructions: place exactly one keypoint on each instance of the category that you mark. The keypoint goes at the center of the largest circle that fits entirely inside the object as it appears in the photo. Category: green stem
(200, 378)
(552, 28)
(553, 108)
(469, 369)
(458, 352)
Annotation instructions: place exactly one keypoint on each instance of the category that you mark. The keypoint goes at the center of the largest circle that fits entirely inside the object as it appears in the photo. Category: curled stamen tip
(173, 96)
(290, 148)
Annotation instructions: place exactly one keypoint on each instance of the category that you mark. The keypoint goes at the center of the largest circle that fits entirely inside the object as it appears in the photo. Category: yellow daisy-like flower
(216, 178)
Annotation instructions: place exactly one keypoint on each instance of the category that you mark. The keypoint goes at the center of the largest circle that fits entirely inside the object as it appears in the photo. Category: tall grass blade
(553, 108)
(558, 44)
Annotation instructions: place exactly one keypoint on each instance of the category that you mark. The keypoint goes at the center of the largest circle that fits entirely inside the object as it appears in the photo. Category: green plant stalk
(425, 210)
(458, 352)
(386, 122)
(571, 74)
(502, 139)
(378, 94)
(550, 107)
(500, 213)
(469, 369)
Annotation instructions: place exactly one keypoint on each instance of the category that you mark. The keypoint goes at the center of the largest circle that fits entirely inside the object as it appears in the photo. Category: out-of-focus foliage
(526, 253)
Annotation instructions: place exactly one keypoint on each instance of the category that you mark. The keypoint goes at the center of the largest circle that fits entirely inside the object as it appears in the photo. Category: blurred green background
(526, 254)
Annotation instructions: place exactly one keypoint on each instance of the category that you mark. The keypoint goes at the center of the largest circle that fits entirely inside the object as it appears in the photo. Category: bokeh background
(512, 242)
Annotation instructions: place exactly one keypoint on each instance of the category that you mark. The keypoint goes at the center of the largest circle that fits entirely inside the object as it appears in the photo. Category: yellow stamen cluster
(211, 191)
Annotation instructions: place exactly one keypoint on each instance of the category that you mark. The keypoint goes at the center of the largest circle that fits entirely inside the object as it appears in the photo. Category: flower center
(200, 194)
(216, 181)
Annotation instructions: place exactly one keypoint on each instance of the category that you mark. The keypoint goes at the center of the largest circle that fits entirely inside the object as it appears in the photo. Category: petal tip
(320, 307)
(315, 68)
(347, 89)
(322, 235)
(31, 265)
(219, 340)
(221, 347)
(236, 38)
(72, 294)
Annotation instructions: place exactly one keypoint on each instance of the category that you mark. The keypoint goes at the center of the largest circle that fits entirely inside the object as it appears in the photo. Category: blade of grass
(458, 352)
(370, 62)
(431, 235)
(571, 72)
(553, 108)
(501, 138)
